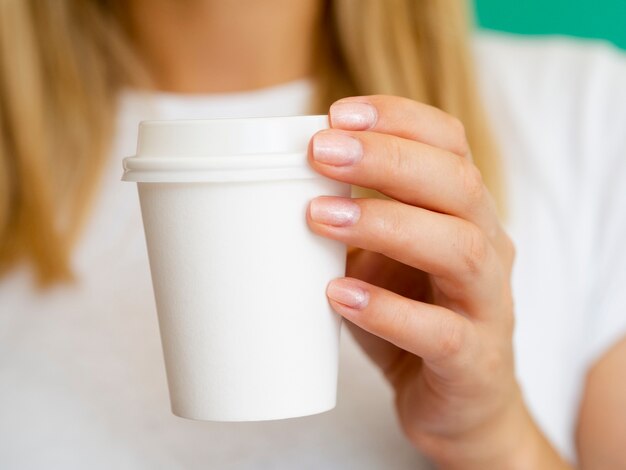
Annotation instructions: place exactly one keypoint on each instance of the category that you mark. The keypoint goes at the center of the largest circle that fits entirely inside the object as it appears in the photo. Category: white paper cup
(239, 278)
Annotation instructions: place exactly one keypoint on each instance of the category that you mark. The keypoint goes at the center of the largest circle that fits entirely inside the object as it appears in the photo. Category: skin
(432, 308)
(210, 46)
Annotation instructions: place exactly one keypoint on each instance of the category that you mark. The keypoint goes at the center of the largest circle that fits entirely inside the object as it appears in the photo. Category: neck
(208, 46)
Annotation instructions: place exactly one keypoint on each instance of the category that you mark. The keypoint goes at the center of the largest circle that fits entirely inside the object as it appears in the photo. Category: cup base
(251, 418)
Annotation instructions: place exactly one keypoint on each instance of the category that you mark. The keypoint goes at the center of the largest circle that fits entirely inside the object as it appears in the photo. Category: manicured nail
(339, 212)
(353, 116)
(336, 148)
(346, 293)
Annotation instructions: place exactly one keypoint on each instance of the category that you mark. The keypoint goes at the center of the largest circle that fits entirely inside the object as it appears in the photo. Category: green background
(587, 18)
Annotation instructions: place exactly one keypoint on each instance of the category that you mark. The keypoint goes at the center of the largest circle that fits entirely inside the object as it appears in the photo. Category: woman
(428, 296)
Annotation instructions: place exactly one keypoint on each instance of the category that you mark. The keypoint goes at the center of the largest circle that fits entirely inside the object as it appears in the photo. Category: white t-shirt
(82, 382)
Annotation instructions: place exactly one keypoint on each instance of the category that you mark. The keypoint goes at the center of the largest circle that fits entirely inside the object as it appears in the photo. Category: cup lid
(223, 149)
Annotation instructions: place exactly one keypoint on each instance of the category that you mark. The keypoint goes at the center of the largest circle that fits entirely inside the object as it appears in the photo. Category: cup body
(239, 279)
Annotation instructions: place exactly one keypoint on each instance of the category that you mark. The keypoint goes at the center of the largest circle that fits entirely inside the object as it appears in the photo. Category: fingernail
(353, 116)
(335, 148)
(338, 212)
(346, 293)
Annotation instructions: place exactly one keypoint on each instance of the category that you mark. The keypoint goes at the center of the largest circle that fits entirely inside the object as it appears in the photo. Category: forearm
(532, 449)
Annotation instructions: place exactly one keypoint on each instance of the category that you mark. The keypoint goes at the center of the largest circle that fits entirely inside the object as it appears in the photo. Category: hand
(428, 295)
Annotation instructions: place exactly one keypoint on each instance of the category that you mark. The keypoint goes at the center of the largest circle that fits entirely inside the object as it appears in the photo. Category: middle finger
(408, 171)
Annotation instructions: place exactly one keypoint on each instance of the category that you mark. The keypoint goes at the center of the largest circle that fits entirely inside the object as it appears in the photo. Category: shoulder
(554, 96)
(553, 56)
(551, 72)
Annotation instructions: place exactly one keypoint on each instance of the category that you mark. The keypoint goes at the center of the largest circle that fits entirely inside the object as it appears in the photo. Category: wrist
(511, 440)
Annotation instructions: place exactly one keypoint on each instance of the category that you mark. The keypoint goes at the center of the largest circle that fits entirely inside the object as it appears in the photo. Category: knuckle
(395, 163)
(461, 146)
(452, 337)
(474, 249)
(398, 321)
(472, 183)
(391, 223)
(395, 157)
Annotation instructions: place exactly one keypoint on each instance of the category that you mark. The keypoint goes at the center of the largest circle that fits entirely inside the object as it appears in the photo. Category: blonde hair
(62, 64)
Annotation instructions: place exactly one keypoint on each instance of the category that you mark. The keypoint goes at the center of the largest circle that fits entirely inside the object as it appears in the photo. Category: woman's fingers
(443, 220)
(406, 170)
(434, 333)
(453, 250)
(401, 117)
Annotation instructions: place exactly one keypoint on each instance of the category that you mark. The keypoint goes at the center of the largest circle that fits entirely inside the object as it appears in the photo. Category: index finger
(402, 117)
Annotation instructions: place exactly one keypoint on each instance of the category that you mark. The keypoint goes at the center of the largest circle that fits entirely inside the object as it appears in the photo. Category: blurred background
(605, 19)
